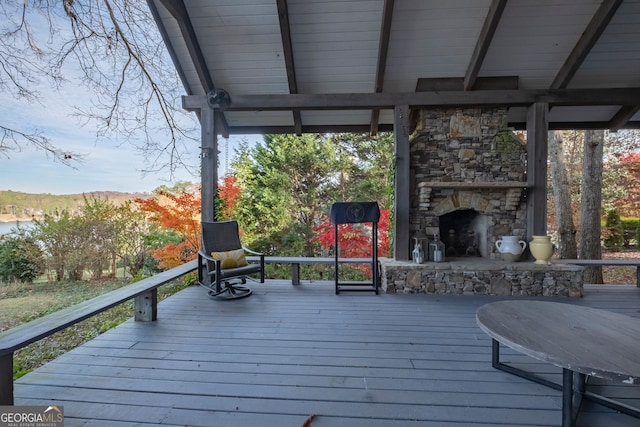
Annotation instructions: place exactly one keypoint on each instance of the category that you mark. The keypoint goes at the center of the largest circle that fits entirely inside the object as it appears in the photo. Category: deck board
(273, 359)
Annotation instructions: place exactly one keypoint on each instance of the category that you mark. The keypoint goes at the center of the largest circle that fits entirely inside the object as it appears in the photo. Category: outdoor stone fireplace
(468, 174)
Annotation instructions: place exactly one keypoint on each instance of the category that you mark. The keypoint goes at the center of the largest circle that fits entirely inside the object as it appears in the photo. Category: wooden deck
(287, 352)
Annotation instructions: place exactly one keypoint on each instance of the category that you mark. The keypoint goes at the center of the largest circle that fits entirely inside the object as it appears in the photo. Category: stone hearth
(480, 276)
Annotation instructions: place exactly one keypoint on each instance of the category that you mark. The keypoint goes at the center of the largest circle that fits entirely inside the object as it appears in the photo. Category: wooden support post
(537, 151)
(146, 306)
(402, 184)
(209, 163)
(6, 379)
(295, 273)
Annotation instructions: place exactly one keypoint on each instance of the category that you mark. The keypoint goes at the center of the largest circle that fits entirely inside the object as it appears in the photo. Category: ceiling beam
(624, 114)
(366, 101)
(287, 47)
(284, 129)
(383, 50)
(388, 127)
(178, 10)
(594, 30)
(589, 37)
(172, 52)
(484, 41)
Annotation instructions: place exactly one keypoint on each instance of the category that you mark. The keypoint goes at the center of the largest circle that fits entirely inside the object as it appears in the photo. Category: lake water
(5, 227)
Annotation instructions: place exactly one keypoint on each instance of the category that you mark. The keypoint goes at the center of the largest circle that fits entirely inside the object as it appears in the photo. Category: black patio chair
(222, 264)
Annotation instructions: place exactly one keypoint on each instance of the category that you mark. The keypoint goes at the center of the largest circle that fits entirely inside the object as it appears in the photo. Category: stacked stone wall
(481, 278)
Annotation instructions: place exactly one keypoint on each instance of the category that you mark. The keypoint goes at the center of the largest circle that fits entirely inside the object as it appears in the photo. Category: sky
(107, 165)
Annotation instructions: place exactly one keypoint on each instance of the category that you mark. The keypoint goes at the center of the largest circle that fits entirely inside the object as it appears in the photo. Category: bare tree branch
(10, 140)
(113, 48)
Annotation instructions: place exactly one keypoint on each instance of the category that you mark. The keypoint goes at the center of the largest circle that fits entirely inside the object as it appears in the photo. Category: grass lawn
(20, 303)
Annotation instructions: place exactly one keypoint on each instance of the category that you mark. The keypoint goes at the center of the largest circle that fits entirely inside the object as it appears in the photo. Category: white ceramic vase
(510, 248)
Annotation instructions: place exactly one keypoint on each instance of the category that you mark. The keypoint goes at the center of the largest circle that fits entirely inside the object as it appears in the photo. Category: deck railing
(145, 296)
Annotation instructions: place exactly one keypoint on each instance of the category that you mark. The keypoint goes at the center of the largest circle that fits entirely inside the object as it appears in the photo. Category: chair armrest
(252, 252)
(261, 255)
(207, 257)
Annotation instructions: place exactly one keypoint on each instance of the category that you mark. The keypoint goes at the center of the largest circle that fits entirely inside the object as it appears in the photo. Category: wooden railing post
(146, 306)
(6, 379)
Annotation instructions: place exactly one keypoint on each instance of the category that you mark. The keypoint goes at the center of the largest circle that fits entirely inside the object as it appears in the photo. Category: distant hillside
(15, 205)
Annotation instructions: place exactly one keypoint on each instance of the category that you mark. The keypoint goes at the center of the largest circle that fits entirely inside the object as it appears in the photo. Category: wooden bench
(605, 263)
(582, 341)
(145, 296)
(297, 261)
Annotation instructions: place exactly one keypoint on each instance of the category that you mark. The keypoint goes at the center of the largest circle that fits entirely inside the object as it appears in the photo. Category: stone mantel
(481, 276)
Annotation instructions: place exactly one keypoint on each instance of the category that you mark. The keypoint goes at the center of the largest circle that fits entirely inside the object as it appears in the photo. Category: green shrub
(613, 232)
(630, 223)
(21, 258)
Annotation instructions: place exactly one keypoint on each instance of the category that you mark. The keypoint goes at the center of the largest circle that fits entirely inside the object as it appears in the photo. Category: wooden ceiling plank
(589, 37)
(287, 47)
(438, 84)
(178, 10)
(484, 41)
(383, 50)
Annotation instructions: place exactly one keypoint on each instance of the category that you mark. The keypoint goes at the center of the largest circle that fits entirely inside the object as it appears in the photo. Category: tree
(114, 49)
(619, 189)
(289, 183)
(366, 167)
(629, 179)
(354, 240)
(229, 194)
(130, 242)
(286, 184)
(97, 227)
(178, 212)
(567, 247)
(62, 240)
(591, 211)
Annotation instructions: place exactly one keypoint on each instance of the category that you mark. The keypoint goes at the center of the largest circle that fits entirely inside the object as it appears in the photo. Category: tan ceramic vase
(541, 248)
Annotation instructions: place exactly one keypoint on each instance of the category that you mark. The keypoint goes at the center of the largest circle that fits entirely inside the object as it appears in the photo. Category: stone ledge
(480, 276)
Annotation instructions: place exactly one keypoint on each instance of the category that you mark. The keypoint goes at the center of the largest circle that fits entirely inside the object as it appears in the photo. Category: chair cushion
(230, 259)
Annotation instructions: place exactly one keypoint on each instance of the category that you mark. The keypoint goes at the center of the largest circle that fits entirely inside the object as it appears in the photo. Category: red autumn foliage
(229, 194)
(178, 212)
(354, 240)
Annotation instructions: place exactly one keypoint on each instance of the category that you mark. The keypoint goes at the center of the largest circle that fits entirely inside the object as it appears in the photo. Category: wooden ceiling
(293, 66)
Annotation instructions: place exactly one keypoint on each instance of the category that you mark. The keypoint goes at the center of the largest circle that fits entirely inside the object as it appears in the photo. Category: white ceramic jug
(510, 247)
